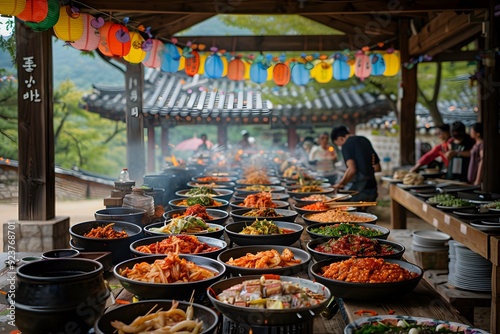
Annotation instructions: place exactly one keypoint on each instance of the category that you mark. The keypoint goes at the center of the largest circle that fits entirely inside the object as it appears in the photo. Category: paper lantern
(299, 74)
(323, 72)
(68, 28)
(236, 70)
(214, 66)
(34, 11)
(258, 72)
(248, 65)
(192, 64)
(103, 34)
(49, 21)
(392, 63)
(363, 67)
(136, 53)
(341, 69)
(90, 38)
(203, 59)
(12, 7)
(153, 59)
(118, 39)
(281, 74)
(171, 58)
(224, 66)
(182, 60)
(378, 64)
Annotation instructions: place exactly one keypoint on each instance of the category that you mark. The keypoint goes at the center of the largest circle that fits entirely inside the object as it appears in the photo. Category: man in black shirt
(361, 161)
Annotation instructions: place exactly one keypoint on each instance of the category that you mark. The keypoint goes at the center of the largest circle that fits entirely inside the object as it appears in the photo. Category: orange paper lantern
(236, 70)
(34, 11)
(136, 53)
(153, 59)
(90, 38)
(49, 21)
(192, 64)
(68, 28)
(103, 34)
(118, 40)
(281, 74)
(12, 7)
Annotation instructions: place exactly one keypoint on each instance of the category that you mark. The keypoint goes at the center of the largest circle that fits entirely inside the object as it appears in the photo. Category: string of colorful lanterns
(114, 39)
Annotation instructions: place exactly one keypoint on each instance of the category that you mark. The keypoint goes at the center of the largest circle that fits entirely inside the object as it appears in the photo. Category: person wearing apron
(458, 155)
(361, 161)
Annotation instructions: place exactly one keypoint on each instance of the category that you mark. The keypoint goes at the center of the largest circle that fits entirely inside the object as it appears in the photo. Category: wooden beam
(35, 124)
(282, 7)
(271, 43)
(456, 56)
(446, 31)
(408, 101)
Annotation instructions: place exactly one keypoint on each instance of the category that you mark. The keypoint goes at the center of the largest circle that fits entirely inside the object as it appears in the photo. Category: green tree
(8, 117)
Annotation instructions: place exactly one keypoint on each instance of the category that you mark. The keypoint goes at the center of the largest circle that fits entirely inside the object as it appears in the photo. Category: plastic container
(137, 199)
(124, 175)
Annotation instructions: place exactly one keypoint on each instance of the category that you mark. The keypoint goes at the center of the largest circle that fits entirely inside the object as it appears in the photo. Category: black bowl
(117, 247)
(303, 200)
(268, 317)
(298, 207)
(235, 205)
(210, 241)
(287, 215)
(273, 189)
(233, 229)
(220, 216)
(299, 194)
(383, 230)
(319, 256)
(60, 254)
(237, 252)
(214, 179)
(275, 196)
(352, 218)
(367, 291)
(123, 214)
(273, 181)
(177, 291)
(127, 314)
(174, 204)
(215, 234)
(217, 185)
(224, 194)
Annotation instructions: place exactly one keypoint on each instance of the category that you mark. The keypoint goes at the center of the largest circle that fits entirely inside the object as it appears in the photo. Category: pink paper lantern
(153, 57)
(90, 38)
(363, 66)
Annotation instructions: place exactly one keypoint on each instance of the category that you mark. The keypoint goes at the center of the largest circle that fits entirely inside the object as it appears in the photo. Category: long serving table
(484, 244)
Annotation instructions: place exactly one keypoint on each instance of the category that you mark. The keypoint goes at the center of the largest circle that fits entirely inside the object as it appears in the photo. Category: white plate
(494, 210)
(485, 227)
(391, 180)
(430, 238)
(451, 208)
(350, 328)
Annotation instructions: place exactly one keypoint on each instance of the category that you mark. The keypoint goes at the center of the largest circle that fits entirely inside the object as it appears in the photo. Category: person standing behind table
(361, 161)
(323, 157)
(245, 140)
(459, 154)
(475, 172)
(204, 145)
(443, 132)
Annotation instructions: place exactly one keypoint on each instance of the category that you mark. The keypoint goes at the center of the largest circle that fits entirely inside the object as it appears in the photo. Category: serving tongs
(355, 204)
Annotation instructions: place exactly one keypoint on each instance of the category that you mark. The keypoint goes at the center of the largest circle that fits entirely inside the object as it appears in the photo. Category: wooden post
(292, 138)
(222, 135)
(407, 101)
(151, 146)
(35, 124)
(490, 103)
(134, 84)
(165, 149)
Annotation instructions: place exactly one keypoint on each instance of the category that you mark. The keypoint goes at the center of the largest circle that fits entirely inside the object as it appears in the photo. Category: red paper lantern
(236, 70)
(12, 7)
(103, 33)
(153, 59)
(192, 64)
(90, 38)
(49, 21)
(281, 74)
(34, 11)
(119, 40)
(68, 28)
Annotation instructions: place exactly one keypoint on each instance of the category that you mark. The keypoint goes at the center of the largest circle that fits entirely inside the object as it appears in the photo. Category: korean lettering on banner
(31, 93)
(133, 97)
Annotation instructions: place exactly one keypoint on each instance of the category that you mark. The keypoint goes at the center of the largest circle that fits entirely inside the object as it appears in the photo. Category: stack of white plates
(468, 270)
(429, 241)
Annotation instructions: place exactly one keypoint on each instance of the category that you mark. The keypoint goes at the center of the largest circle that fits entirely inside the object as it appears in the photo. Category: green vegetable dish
(440, 198)
(187, 224)
(260, 227)
(338, 230)
(201, 191)
(201, 199)
(407, 326)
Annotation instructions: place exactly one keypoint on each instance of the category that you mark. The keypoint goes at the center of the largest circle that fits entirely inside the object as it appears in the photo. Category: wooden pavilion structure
(415, 27)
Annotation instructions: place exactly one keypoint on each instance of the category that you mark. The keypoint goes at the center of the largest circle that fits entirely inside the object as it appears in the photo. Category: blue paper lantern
(378, 64)
(214, 67)
(258, 72)
(300, 74)
(171, 58)
(341, 69)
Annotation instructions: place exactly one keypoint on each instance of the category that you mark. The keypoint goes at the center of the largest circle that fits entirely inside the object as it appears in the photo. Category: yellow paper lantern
(270, 70)
(392, 63)
(224, 66)
(182, 60)
(68, 28)
(203, 58)
(136, 53)
(323, 72)
(247, 70)
(12, 7)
